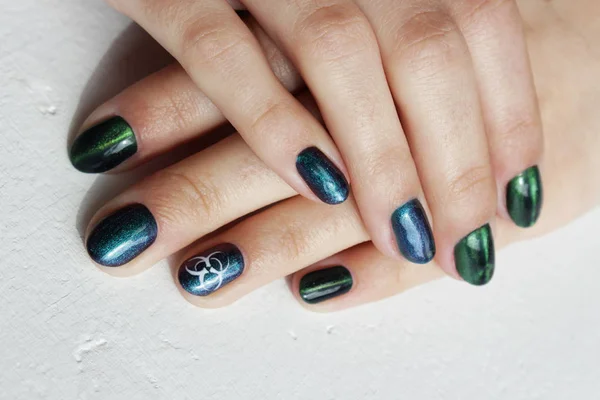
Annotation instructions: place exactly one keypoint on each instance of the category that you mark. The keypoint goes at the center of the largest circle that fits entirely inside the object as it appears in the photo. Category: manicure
(524, 197)
(413, 233)
(122, 236)
(103, 146)
(324, 284)
(322, 177)
(212, 269)
(475, 256)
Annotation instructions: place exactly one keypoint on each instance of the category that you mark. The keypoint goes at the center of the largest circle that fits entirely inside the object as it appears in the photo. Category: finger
(335, 50)
(431, 75)
(174, 207)
(265, 247)
(224, 59)
(357, 276)
(158, 113)
(236, 4)
(494, 33)
(275, 243)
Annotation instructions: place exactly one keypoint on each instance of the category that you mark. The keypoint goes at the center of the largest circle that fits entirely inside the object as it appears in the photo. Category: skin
(379, 71)
(205, 192)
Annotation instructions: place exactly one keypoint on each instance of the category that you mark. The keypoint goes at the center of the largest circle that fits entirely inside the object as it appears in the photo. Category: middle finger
(336, 51)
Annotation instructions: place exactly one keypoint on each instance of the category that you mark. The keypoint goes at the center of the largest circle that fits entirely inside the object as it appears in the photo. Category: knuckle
(163, 12)
(179, 198)
(519, 126)
(519, 136)
(473, 186)
(333, 33)
(484, 10)
(277, 116)
(293, 242)
(429, 38)
(211, 43)
(169, 110)
(388, 165)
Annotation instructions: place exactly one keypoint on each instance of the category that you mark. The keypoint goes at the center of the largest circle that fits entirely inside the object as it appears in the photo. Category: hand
(227, 181)
(457, 71)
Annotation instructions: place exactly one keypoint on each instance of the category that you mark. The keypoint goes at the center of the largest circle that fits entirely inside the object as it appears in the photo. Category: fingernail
(122, 236)
(212, 269)
(324, 284)
(524, 197)
(413, 233)
(474, 256)
(103, 146)
(322, 177)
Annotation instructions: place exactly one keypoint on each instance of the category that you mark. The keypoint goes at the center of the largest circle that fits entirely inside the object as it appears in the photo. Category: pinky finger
(357, 276)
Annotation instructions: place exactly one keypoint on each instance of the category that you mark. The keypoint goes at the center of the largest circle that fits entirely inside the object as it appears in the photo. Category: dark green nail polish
(212, 269)
(103, 146)
(322, 176)
(122, 236)
(524, 197)
(474, 256)
(324, 284)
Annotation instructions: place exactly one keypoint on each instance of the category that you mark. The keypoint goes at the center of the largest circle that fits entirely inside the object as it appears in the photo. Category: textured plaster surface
(68, 331)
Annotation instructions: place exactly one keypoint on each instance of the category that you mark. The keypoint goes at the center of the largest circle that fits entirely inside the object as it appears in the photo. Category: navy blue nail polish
(413, 233)
(122, 236)
(212, 269)
(322, 177)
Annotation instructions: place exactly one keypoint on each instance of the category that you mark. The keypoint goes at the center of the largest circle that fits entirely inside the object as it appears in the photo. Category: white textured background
(67, 331)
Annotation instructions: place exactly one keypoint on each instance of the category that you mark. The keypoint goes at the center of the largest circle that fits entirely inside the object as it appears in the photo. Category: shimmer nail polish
(122, 236)
(524, 197)
(413, 233)
(212, 269)
(474, 256)
(322, 177)
(103, 146)
(324, 284)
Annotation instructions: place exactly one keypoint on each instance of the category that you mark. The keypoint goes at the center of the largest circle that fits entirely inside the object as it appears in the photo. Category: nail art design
(413, 232)
(212, 269)
(103, 146)
(324, 284)
(122, 236)
(524, 197)
(475, 256)
(322, 177)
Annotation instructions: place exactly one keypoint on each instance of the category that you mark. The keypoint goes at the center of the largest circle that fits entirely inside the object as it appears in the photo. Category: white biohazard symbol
(201, 266)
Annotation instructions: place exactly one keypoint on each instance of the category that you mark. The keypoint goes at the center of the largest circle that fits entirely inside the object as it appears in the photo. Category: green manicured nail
(474, 256)
(324, 284)
(524, 197)
(103, 146)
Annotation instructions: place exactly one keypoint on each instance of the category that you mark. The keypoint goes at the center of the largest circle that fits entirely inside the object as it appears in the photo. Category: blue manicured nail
(122, 236)
(413, 233)
(322, 177)
(212, 269)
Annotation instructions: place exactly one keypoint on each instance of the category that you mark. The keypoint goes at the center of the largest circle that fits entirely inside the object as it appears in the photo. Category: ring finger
(431, 75)
(336, 51)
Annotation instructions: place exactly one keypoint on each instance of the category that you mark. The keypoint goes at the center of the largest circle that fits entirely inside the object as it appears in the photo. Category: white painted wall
(67, 331)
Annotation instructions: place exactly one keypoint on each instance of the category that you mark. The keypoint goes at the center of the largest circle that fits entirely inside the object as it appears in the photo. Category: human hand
(458, 71)
(294, 233)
